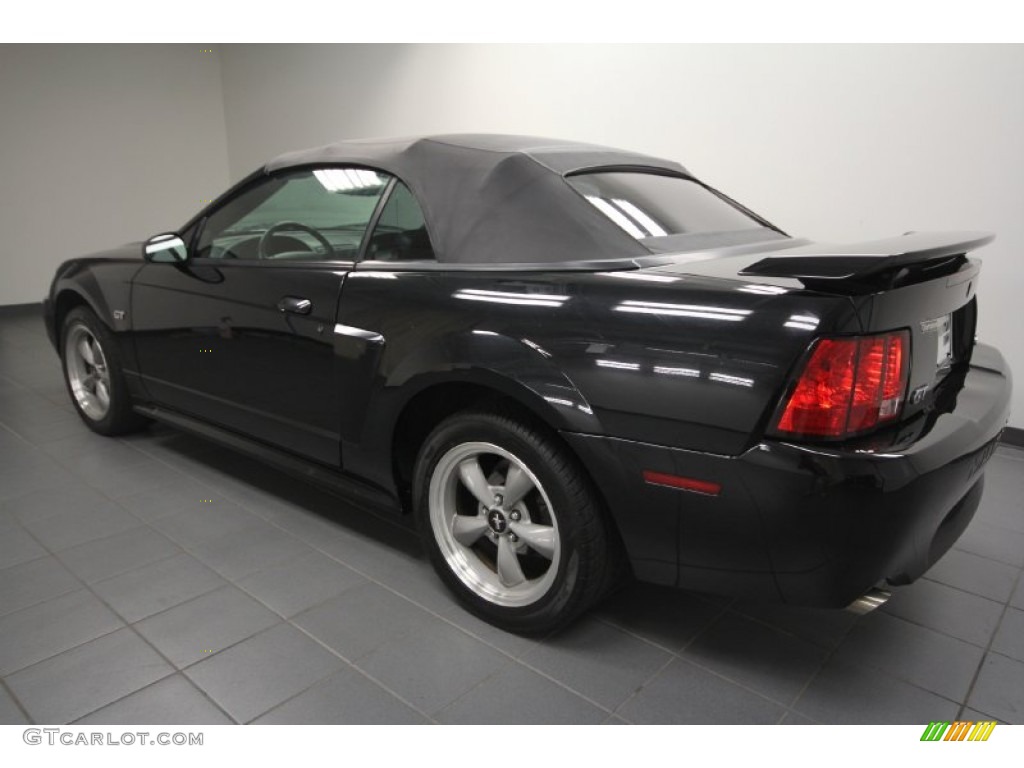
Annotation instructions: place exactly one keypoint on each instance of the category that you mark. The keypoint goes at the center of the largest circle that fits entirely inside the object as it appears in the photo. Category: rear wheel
(511, 521)
(93, 374)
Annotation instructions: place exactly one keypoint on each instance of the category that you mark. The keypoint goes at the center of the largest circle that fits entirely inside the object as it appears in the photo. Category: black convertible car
(566, 362)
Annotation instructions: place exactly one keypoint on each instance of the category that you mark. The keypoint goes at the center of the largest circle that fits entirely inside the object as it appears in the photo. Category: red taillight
(849, 385)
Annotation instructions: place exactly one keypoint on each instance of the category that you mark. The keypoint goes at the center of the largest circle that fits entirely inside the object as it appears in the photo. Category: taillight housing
(848, 385)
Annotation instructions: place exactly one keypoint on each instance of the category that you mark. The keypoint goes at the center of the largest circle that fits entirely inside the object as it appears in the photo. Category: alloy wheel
(87, 372)
(494, 524)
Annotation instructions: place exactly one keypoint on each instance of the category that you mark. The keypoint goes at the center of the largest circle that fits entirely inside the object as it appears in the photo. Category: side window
(401, 231)
(305, 215)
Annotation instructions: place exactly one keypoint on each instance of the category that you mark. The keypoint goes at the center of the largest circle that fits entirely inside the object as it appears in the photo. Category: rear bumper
(810, 525)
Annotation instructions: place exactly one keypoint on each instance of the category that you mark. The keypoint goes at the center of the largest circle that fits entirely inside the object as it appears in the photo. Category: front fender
(102, 284)
(79, 279)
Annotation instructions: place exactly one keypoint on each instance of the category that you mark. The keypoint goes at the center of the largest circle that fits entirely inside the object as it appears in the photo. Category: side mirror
(167, 248)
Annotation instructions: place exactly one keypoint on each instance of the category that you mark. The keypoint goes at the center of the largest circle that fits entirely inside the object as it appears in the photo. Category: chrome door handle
(296, 305)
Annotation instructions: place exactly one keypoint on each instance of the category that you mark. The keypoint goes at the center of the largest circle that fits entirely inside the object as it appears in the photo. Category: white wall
(832, 142)
(101, 145)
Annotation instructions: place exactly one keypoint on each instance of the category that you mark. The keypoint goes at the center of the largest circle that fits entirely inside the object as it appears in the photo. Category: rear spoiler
(876, 264)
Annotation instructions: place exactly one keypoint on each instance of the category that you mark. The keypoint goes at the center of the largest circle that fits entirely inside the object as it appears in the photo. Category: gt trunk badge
(918, 394)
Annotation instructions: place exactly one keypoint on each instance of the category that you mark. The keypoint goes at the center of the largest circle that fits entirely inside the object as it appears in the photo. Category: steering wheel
(289, 226)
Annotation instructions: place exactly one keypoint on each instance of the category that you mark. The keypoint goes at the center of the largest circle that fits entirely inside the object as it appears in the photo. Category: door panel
(212, 342)
(242, 333)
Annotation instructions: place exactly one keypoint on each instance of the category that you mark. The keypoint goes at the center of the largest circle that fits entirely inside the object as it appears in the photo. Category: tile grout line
(933, 630)
(983, 659)
(351, 665)
(611, 622)
(51, 597)
(119, 574)
(829, 654)
(934, 580)
(83, 587)
(126, 625)
(636, 691)
(289, 621)
(17, 701)
(173, 673)
(474, 687)
(898, 677)
(679, 655)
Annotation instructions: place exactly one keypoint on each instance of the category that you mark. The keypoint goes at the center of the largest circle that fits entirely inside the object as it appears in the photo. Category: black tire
(117, 418)
(564, 577)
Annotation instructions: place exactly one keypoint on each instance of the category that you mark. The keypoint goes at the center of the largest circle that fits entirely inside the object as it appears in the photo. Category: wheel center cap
(497, 521)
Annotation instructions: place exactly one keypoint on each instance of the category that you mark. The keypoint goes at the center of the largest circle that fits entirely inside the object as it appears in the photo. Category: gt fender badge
(119, 314)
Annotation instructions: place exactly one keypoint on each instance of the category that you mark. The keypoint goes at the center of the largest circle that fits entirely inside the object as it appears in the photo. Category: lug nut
(515, 516)
(497, 499)
(513, 538)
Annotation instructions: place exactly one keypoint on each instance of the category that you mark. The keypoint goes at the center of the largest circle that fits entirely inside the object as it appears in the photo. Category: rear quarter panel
(569, 346)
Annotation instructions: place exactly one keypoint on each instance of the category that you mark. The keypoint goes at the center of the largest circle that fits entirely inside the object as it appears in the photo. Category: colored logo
(959, 731)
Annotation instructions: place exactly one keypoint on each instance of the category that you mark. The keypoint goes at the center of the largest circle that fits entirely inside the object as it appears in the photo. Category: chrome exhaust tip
(866, 603)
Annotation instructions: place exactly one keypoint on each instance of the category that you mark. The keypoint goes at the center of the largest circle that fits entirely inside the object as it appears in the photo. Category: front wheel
(511, 521)
(92, 372)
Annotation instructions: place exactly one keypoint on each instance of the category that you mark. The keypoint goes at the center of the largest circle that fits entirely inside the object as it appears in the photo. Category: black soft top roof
(497, 199)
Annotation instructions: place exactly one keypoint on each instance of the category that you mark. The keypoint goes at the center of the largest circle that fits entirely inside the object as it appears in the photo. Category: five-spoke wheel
(494, 523)
(511, 521)
(92, 371)
(87, 372)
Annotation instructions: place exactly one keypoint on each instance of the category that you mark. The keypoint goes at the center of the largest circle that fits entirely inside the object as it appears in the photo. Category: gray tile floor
(159, 579)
